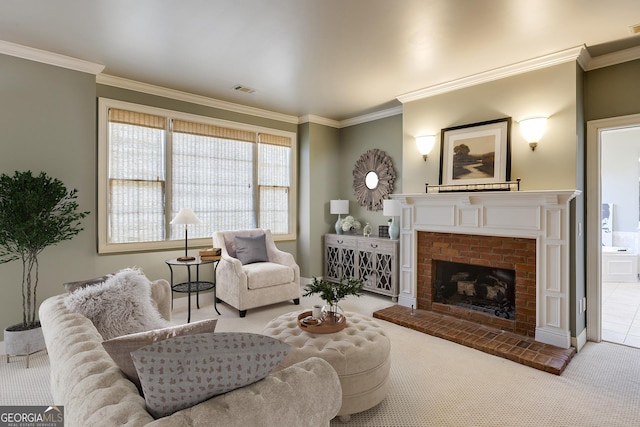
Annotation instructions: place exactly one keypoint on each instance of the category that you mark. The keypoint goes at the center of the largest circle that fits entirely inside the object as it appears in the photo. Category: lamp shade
(339, 207)
(425, 143)
(185, 216)
(532, 129)
(390, 207)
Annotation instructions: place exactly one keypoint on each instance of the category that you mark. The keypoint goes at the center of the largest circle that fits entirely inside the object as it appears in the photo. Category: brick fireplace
(528, 231)
(511, 253)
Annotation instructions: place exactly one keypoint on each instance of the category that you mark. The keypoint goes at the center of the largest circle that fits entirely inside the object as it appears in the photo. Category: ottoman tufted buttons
(359, 354)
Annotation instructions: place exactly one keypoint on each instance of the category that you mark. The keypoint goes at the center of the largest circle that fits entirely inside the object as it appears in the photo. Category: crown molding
(614, 58)
(49, 58)
(311, 118)
(150, 89)
(377, 115)
(561, 57)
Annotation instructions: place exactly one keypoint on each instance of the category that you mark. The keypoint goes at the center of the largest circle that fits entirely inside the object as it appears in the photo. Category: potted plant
(334, 292)
(35, 212)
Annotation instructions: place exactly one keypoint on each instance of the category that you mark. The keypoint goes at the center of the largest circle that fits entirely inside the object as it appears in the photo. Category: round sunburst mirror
(373, 178)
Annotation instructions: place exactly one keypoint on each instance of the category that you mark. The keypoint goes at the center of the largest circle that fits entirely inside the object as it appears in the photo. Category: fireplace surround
(541, 218)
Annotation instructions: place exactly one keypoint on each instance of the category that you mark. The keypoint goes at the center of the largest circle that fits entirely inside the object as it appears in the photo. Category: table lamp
(185, 216)
(392, 208)
(339, 207)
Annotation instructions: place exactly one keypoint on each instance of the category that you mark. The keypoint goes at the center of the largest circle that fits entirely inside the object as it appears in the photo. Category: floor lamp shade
(339, 207)
(185, 216)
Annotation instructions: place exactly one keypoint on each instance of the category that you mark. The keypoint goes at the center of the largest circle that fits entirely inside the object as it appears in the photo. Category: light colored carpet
(434, 382)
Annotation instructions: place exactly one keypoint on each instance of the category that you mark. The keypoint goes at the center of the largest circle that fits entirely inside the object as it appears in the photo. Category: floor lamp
(185, 216)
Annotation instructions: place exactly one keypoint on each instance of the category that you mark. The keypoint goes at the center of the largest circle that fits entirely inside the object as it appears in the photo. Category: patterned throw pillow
(180, 372)
(120, 305)
(120, 348)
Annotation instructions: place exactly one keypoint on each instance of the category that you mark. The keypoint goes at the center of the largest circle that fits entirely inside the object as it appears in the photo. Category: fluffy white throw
(118, 306)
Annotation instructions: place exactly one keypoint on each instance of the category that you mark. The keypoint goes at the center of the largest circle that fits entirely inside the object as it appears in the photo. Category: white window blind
(213, 174)
(274, 181)
(136, 177)
(232, 177)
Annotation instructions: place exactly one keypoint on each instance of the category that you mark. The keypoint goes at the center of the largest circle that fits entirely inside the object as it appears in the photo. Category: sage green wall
(384, 134)
(612, 91)
(47, 123)
(550, 91)
(320, 153)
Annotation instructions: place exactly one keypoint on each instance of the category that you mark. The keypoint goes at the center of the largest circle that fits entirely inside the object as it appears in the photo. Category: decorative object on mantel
(462, 188)
(373, 179)
(392, 209)
(339, 207)
(366, 231)
(383, 231)
(478, 153)
(350, 224)
(332, 293)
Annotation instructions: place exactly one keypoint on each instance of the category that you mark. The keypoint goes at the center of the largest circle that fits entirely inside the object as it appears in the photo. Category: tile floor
(621, 313)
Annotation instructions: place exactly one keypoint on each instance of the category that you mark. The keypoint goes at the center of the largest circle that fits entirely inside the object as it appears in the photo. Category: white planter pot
(23, 343)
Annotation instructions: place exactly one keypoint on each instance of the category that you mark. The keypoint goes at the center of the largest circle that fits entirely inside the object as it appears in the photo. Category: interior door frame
(593, 218)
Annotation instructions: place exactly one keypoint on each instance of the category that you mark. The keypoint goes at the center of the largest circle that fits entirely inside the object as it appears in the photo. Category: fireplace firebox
(476, 287)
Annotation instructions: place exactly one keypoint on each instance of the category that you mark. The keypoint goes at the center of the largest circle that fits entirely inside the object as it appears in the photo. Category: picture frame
(477, 153)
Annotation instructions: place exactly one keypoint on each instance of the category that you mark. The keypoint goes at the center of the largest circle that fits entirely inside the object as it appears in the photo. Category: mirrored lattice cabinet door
(373, 260)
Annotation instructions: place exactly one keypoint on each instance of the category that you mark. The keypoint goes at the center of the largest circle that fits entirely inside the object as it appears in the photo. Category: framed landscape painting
(477, 153)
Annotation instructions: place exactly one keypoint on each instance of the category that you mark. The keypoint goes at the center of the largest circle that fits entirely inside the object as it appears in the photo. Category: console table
(190, 286)
(374, 260)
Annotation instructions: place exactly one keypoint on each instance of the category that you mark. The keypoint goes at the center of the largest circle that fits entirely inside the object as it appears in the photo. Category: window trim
(104, 104)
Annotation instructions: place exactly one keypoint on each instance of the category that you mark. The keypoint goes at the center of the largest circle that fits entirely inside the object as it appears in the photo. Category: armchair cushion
(250, 249)
(266, 274)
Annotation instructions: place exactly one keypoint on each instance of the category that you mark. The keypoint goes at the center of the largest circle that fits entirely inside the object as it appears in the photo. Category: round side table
(190, 286)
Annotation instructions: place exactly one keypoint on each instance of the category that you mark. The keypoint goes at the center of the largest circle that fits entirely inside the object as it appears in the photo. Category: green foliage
(35, 212)
(333, 292)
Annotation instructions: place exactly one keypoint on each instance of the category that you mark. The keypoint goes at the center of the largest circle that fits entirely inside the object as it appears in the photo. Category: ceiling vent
(244, 89)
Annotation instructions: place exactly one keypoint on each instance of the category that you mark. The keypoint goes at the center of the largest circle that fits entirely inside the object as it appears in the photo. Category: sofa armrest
(161, 297)
(305, 394)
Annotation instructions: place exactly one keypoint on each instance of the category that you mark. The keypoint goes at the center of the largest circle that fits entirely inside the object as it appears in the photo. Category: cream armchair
(254, 284)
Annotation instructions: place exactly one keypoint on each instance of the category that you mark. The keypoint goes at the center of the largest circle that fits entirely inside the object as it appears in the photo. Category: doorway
(604, 320)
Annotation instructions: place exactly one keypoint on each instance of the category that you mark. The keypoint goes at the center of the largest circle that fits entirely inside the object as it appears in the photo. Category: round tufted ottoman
(359, 354)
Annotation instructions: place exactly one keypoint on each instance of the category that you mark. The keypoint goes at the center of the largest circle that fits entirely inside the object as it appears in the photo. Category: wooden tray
(322, 328)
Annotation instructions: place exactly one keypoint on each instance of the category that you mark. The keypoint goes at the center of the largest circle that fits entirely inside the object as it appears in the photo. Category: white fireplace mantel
(539, 215)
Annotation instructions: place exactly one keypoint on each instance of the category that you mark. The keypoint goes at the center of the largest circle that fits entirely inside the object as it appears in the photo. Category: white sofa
(256, 284)
(96, 393)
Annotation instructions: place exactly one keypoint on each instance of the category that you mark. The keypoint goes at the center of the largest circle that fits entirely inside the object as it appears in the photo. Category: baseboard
(579, 341)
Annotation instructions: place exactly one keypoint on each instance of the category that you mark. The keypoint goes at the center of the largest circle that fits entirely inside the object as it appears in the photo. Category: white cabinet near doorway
(619, 265)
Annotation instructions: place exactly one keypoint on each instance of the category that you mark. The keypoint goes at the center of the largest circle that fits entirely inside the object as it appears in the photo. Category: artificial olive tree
(35, 212)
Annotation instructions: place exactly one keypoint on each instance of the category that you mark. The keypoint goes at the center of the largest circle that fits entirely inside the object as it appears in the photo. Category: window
(154, 162)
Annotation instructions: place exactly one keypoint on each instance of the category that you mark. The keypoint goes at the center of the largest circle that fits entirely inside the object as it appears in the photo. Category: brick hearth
(508, 345)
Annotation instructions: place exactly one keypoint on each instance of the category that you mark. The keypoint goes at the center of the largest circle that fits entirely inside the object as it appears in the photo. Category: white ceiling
(336, 59)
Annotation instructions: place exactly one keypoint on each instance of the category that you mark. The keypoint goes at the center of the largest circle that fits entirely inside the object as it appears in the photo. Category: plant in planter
(334, 292)
(35, 212)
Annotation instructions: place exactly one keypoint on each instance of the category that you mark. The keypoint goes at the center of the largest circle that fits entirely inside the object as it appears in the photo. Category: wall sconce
(532, 130)
(425, 144)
